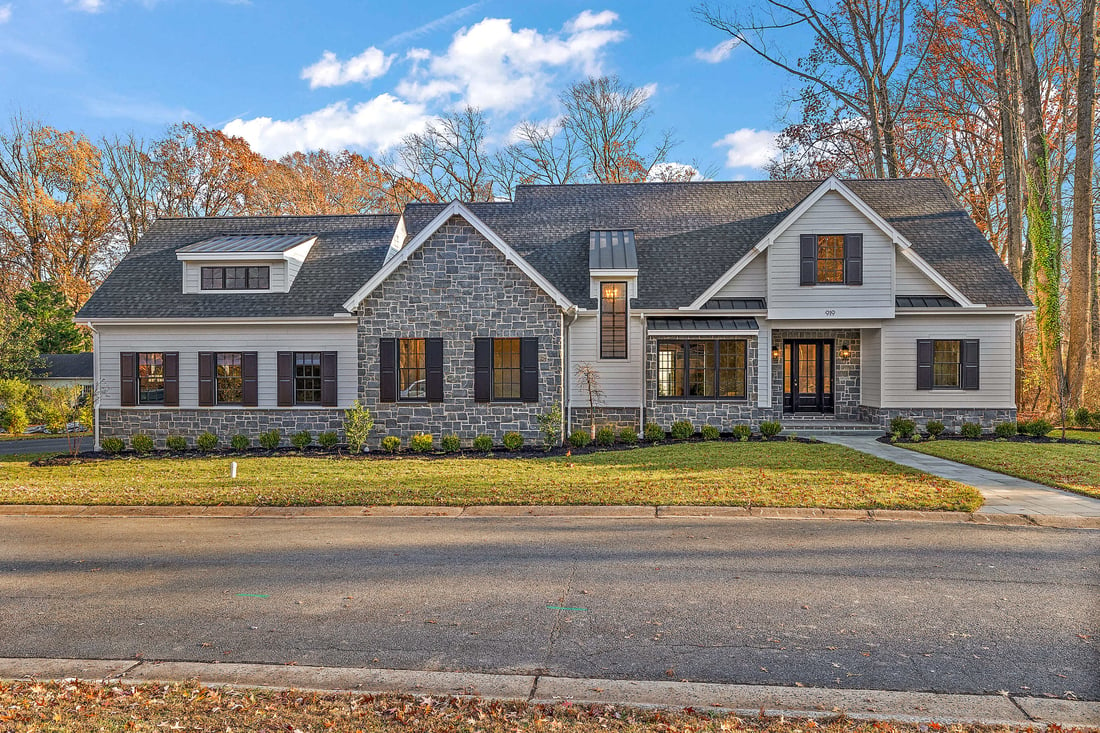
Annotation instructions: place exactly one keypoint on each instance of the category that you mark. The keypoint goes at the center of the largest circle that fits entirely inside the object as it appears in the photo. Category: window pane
(787, 368)
(307, 378)
(827, 368)
(701, 369)
(150, 379)
(807, 368)
(506, 371)
(228, 379)
(670, 370)
(212, 278)
(258, 278)
(830, 258)
(412, 369)
(945, 364)
(731, 368)
(613, 321)
(236, 278)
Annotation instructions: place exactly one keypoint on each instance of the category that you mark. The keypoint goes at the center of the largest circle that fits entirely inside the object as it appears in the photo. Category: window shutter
(924, 364)
(529, 369)
(483, 370)
(285, 371)
(808, 269)
(207, 366)
(328, 379)
(172, 379)
(433, 359)
(970, 364)
(127, 369)
(250, 379)
(387, 366)
(853, 259)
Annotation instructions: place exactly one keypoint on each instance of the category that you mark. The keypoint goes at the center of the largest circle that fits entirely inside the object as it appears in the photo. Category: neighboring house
(716, 302)
(65, 370)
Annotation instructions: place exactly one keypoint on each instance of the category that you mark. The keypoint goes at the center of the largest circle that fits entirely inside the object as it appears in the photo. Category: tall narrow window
(307, 378)
(946, 364)
(229, 379)
(830, 258)
(506, 369)
(731, 369)
(412, 369)
(670, 370)
(701, 369)
(150, 379)
(613, 321)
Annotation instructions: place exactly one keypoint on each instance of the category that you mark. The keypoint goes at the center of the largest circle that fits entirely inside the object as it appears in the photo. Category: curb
(810, 702)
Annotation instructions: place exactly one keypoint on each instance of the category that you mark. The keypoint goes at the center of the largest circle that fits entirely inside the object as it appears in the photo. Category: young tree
(47, 319)
(589, 378)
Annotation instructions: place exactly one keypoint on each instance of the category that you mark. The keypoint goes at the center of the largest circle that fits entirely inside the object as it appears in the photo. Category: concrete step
(832, 427)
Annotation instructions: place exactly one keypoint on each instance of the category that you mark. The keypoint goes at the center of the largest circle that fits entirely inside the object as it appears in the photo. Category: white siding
(266, 340)
(911, 281)
(751, 282)
(832, 214)
(620, 379)
(192, 274)
(996, 334)
(870, 367)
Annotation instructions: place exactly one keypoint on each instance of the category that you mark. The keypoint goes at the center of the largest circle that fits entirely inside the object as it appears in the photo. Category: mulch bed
(986, 438)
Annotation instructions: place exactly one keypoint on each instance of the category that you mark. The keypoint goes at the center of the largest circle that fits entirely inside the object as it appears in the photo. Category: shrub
(550, 427)
(903, 427)
(358, 424)
(629, 436)
(1005, 429)
(240, 442)
(328, 439)
(421, 443)
(512, 440)
(1082, 418)
(935, 428)
(605, 437)
(206, 442)
(742, 432)
(709, 432)
(391, 443)
(301, 439)
(682, 430)
(483, 443)
(1038, 427)
(771, 428)
(653, 432)
(270, 439)
(112, 445)
(450, 444)
(579, 438)
(141, 443)
(15, 419)
(176, 443)
(970, 430)
(1096, 419)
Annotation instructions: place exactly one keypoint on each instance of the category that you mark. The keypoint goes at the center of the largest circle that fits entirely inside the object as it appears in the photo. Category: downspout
(565, 395)
(95, 387)
(645, 355)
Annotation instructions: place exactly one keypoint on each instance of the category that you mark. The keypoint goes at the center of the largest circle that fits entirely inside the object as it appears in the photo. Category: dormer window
(236, 278)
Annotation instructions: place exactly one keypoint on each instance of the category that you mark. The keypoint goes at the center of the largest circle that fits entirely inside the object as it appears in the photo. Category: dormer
(612, 257)
(257, 263)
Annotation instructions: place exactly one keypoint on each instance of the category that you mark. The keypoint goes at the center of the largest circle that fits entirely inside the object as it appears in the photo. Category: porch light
(845, 352)
(775, 351)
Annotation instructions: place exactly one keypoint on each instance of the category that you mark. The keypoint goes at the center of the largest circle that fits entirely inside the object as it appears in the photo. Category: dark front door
(808, 376)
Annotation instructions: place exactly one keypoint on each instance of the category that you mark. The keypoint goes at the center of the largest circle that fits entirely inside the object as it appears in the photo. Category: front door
(808, 376)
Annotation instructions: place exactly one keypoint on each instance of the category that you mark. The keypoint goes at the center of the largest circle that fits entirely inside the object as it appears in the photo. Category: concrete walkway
(1003, 494)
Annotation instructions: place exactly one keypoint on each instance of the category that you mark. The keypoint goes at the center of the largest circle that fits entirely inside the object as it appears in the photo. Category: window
(830, 258)
(613, 321)
(236, 278)
(307, 378)
(702, 369)
(412, 370)
(506, 369)
(946, 364)
(229, 379)
(150, 368)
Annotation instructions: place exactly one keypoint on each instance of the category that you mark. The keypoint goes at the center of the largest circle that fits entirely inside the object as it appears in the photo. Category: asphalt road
(40, 445)
(898, 606)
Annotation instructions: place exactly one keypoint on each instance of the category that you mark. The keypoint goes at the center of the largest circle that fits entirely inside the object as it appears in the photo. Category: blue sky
(345, 73)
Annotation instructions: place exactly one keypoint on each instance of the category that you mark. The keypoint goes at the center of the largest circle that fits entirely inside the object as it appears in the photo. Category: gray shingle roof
(66, 366)
(612, 250)
(247, 243)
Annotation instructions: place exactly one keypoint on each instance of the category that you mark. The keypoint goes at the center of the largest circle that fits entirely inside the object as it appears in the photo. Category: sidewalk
(1003, 494)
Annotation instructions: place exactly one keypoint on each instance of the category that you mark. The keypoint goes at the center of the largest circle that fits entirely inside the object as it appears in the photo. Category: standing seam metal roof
(251, 243)
(612, 250)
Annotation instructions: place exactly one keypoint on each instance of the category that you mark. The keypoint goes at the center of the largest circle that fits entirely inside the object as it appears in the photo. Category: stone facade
(613, 417)
(722, 414)
(159, 423)
(952, 417)
(458, 286)
(846, 385)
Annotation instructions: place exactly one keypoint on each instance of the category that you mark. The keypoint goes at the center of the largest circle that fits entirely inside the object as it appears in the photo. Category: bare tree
(542, 153)
(589, 377)
(449, 158)
(125, 169)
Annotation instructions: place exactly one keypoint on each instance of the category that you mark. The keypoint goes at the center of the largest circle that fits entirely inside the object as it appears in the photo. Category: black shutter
(924, 364)
(483, 370)
(433, 359)
(970, 364)
(853, 259)
(387, 370)
(207, 366)
(250, 379)
(808, 250)
(285, 372)
(172, 379)
(127, 370)
(328, 379)
(529, 369)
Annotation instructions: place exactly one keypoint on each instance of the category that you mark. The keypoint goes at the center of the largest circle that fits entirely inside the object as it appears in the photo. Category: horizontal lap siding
(751, 282)
(192, 274)
(870, 375)
(266, 340)
(911, 281)
(620, 379)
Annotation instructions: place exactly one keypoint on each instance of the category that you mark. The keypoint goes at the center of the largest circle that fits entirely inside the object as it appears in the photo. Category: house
(715, 302)
(65, 370)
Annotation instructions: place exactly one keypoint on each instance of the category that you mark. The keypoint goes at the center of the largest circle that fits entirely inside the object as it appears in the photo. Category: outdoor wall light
(775, 351)
(845, 352)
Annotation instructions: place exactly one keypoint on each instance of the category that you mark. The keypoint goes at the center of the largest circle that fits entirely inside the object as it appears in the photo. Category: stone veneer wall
(952, 417)
(614, 417)
(846, 385)
(722, 414)
(458, 286)
(159, 423)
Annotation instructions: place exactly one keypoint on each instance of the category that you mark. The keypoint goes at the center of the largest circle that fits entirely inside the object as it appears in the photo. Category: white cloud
(588, 20)
(673, 172)
(749, 148)
(5, 13)
(719, 53)
(87, 6)
(332, 72)
(375, 125)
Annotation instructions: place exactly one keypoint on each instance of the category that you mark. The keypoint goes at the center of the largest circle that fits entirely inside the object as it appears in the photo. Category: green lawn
(1092, 436)
(758, 474)
(1071, 466)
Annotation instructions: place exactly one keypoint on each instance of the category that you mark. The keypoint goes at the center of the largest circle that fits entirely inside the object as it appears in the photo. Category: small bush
(1096, 419)
(629, 436)
(206, 442)
(176, 443)
(653, 432)
(742, 432)
(512, 440)
(112, 445)
(1082, 418)
(421, 443)
(903, 427)
(709, 432)
(450, 444)
(328, 439)
(240, 442)
(771, 428)
(301, 439)
(141, 443)
(358, 424)
(1038, 427)
(970, 430)
(550, 427)
(682, 430)
(483, 443)
(391, 443)
(579, 438)
(605, 437)
(15, 419)
(270, 439)
(935, 428)
(1005, 429)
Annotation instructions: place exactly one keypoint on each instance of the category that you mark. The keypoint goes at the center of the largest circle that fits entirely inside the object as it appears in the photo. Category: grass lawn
(758, 474)
(1076, 434)
(1070, 466)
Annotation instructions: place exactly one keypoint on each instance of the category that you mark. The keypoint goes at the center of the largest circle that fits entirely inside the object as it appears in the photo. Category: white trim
(455, 208)
(703, 313)
(604, 274)
(978, 310)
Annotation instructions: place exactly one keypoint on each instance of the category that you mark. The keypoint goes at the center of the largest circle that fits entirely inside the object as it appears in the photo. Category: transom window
(613, 321)
(506, 369)
(946, 364)
(228, 379)
(307, 378)
(702, 369)
(412, 370)
(150, 369)
(236, 278)
(830, 258)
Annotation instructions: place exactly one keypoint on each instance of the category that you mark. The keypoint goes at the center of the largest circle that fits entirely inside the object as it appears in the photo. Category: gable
(909, 280)
(750, 282)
